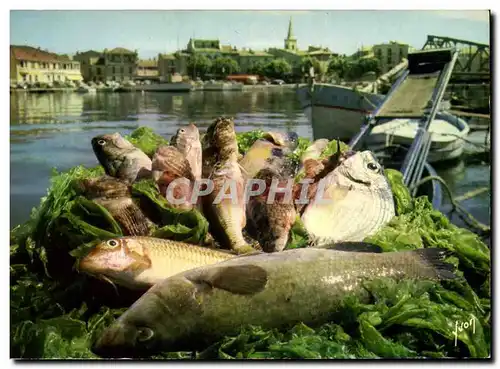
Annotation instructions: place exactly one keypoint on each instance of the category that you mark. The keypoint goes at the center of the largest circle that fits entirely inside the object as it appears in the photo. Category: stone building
(390, 54)
(118, 64)
(147, 70)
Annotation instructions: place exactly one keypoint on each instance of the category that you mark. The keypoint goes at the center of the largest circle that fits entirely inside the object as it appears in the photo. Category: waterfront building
(390, 54)
(91, 65)
(147, 70)
(210, 48)
(118, 64)
(30, 64)
(171, 67)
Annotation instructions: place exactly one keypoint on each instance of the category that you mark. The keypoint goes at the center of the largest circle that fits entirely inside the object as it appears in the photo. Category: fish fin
(435, 257)
(239, 279)
(352, 247)
(141, 261)
(106, 279)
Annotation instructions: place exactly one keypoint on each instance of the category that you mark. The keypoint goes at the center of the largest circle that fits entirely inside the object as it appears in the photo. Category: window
(36, 78)
(122, 70)
(389, 56)
(98, 71)
(379, 54)
(401, 54)
(131, 70)
(113, 70)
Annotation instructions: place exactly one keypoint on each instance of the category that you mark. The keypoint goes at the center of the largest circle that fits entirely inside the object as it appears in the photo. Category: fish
(289, 139)
(314, 150)
(263, 154)
(356, 202)
(169, 165)
(187, 140)
(172, 159)
(225, 215)
(120, 158)
(116, 197)
(270, 223)
(138, 263)
(271, 150)
(198, 307)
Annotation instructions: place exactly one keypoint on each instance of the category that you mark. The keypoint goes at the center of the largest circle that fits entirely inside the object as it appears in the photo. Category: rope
(471, 194)
(465, 215)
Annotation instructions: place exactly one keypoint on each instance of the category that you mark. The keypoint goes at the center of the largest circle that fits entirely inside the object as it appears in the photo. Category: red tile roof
(35, 54)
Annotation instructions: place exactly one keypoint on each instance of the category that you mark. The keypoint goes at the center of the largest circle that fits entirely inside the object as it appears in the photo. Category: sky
(153, 32)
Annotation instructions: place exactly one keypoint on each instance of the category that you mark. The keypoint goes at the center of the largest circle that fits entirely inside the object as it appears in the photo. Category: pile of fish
(196, 294)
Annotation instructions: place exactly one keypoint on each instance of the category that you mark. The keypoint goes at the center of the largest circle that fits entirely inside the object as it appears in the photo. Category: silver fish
(356, 202)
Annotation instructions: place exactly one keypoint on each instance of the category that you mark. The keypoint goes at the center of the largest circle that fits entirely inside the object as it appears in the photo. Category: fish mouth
(348, 175)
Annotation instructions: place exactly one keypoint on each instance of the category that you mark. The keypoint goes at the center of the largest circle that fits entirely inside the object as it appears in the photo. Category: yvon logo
(461, 326)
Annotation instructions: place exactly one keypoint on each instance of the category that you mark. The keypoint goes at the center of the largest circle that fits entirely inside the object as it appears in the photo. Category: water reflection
(32, 108)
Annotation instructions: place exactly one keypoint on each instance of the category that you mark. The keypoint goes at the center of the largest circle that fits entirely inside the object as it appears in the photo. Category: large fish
(270, 222)
(224, 207)
(356, 200)
(187, 140)
(115, 196)
(196, 308)
(140, 262)
(120, 158)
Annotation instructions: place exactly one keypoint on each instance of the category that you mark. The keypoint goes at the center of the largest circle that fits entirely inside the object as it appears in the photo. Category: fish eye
(112, 243)
(144, 334)
(101, 142)
(182, 130)
(372, 166)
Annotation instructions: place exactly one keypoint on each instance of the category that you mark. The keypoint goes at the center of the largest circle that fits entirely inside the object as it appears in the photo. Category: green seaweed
(247, 139)
(57, 313)
(147, 140)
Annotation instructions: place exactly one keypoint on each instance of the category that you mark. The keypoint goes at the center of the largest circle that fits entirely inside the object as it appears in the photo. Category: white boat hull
(336, 112)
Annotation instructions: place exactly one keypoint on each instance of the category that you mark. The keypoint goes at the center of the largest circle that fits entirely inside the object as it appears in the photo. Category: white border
(157, 5)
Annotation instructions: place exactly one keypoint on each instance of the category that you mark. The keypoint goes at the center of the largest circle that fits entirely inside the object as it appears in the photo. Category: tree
(278, 68)
(356, 69)
(198, 65)
(223, 66)
(258, 68)
(370, 65)
(338, 66)
(320, 68)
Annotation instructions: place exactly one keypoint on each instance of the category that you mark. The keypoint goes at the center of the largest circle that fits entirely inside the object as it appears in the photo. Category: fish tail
(434, 257)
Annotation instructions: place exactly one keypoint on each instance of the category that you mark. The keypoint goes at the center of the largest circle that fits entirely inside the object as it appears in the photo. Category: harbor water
(54, 130)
